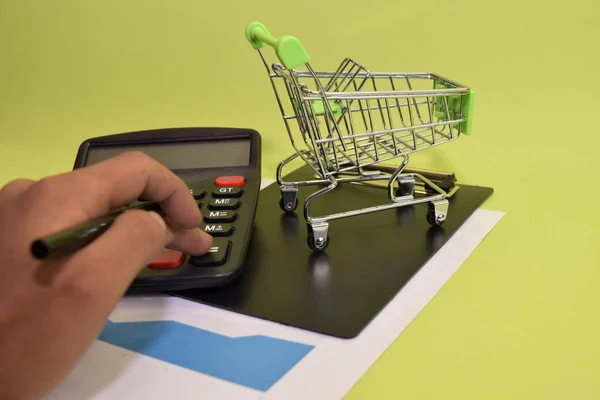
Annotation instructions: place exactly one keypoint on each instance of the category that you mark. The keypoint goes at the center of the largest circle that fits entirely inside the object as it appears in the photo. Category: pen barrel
(65, 242)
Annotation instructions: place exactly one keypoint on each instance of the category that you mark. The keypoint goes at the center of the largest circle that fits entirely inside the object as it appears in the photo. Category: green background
(520, 317)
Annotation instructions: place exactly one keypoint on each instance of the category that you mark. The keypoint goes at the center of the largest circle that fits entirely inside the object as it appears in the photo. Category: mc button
(223, 204)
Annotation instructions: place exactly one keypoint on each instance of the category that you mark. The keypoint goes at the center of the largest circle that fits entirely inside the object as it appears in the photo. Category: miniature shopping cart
(349, 120)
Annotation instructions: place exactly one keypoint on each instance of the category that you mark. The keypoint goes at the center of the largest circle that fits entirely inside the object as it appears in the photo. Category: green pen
(70, 240)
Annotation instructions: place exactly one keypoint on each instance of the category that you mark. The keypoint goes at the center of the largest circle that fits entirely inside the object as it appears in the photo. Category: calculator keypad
(219, 211)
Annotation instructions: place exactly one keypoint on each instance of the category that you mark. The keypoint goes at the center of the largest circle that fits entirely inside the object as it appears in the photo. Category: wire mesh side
(349, 76)
(351, 118)
(391, 115)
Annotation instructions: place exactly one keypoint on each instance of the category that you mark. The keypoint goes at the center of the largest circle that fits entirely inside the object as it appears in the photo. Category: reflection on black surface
(435, 238)
(289, 224)
(319, 269)
(320, 277)
(405, 215)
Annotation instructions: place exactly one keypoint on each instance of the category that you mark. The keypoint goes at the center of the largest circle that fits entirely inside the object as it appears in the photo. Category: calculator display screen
(183, 155)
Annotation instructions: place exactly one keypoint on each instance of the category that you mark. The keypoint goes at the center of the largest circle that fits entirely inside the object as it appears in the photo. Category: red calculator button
(223, 181)
(168, 259)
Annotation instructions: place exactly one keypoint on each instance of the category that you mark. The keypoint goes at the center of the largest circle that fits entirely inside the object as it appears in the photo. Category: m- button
(223, 204)
(220, 216)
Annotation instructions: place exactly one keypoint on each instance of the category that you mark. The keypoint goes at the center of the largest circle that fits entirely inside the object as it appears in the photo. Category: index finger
(116, 182)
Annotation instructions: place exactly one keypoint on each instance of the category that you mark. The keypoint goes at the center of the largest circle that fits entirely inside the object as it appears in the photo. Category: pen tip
(39, 249)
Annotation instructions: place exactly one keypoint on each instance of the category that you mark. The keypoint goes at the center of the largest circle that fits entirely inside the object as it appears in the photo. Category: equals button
(216, 255)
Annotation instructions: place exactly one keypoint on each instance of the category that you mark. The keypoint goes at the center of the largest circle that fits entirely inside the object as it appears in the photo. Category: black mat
(337, 292)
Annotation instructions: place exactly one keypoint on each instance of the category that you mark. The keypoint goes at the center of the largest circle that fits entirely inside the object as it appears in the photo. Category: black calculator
(222, 168)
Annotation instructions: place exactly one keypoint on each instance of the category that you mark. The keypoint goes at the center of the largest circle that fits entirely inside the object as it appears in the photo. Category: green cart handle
(289, 50)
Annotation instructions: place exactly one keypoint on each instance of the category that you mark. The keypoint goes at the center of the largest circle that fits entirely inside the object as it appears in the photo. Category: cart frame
(340, 153)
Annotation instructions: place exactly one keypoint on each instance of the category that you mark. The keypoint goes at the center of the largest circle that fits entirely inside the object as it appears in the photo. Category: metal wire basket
(344, 122)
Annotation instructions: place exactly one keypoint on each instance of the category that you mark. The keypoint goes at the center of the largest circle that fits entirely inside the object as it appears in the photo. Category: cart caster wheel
(289, 199)
(431, 218)
(437, 212)
(314, 246)
(318, 238)
(289, 206)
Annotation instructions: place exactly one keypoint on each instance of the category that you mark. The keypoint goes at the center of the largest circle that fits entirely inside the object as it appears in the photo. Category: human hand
(52, 310)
